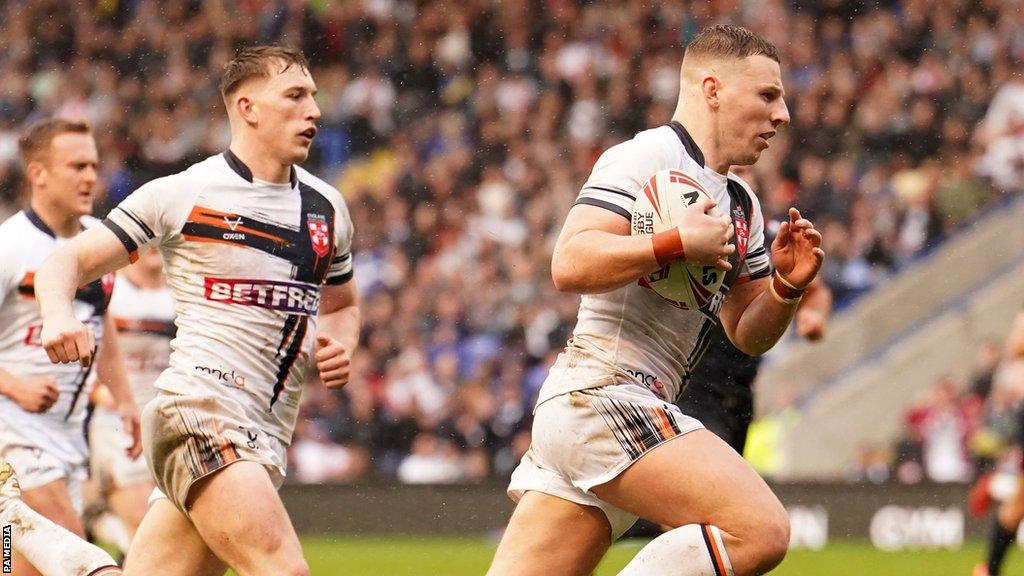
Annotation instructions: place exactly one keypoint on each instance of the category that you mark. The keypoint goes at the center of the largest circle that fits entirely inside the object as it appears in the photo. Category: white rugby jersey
(631, 332)
(145, 325)
(25, 242)
(246, 261)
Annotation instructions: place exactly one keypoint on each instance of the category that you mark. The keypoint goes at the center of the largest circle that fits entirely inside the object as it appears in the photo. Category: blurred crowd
(957, 431)
(459, 133)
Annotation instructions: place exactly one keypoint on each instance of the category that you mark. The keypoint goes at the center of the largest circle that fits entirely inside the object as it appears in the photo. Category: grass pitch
(409, 556)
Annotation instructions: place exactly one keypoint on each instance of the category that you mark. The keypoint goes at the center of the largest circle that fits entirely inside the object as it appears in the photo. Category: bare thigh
(698, 479)
(151, 553)
(241, 518)
(549, 535)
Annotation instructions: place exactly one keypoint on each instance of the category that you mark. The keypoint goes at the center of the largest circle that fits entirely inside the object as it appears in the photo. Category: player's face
(67, 178)
(287, 114)
(752, 108)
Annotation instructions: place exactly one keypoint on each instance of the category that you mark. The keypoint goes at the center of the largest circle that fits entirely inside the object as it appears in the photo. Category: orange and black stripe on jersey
(292, 244)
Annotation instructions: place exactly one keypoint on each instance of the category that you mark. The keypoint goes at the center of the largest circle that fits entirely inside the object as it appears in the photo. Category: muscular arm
(595, 252)
(339, 314)
(752, 316)
(753, 320)
(337, 333)
(85, 258)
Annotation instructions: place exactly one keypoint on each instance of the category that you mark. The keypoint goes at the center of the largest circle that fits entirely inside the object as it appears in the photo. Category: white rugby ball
(659, 206)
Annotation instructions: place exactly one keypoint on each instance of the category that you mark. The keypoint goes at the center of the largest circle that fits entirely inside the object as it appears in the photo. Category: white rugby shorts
(38, 466)
(585, 438)
(187, 437)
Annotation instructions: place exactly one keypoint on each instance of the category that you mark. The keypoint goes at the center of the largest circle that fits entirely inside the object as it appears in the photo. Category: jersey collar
(242, 170)
(691, 146)
(38, 222)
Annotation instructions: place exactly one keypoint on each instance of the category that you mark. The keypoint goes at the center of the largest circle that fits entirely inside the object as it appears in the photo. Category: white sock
(109, 528)
(52, 549)
(691, 550)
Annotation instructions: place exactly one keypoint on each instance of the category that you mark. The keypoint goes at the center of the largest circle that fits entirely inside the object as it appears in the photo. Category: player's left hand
(130, 420)
(796, 251)
(332, 361)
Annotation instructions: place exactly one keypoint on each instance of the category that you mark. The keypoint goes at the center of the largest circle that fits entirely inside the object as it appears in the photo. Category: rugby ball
(661, 202)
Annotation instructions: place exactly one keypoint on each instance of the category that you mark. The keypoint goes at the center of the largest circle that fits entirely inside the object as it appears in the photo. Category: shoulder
(18, 238)
(14, 225)
(306, 177)
(211, 171)
(13, 232)
(184, 186)
(657, 145)
(332, 194)
(627, 164)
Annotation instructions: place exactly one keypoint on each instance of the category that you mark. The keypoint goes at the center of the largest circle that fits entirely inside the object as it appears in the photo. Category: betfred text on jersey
(289, 297)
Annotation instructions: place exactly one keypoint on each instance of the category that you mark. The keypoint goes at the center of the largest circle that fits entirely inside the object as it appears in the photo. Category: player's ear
(709, 87)
(35, 172)
(245, 108)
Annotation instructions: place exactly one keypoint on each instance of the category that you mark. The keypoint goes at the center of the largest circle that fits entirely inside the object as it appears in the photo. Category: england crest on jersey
(739, 221)
(319, 234)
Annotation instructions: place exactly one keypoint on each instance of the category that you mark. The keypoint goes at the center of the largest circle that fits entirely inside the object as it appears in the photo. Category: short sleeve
(340, 270)
(141, 217)
(620, 172)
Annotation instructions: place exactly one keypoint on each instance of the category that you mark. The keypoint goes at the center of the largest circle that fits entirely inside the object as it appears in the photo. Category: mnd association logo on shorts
(290, 297)
(7, 567)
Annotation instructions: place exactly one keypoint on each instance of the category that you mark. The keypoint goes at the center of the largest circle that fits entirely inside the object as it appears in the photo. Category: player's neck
(60, 222)
(257, 161)
(703, 134)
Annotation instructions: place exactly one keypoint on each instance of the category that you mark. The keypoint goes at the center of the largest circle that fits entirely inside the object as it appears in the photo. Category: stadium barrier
(891, 516)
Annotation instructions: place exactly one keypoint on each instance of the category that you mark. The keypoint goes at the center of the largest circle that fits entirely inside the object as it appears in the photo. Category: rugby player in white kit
(608, 445)
(256, 251)
(42, 406)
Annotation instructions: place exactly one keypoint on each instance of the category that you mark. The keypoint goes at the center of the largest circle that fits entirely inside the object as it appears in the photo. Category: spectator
(460, 133)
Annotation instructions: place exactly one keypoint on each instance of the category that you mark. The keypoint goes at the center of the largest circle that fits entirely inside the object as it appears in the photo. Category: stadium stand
(460, 131)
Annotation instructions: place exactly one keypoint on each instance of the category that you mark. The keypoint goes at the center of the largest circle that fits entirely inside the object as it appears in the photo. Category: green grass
(409, 556)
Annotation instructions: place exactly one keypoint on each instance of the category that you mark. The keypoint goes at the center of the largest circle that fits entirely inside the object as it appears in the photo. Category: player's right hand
(67, 340)
(34, 394)
(706, 232)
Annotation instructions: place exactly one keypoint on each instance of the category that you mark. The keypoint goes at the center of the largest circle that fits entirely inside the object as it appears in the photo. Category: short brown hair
(35, 142)
(726, 40)
(254, 62)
